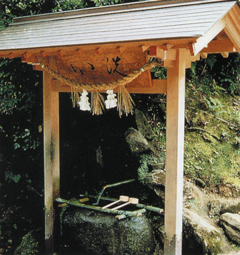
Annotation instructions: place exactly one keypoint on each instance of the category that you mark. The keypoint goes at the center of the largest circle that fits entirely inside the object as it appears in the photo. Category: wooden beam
(51, 157)
(158, 87)
(174, 156)
(177, 43)
(218, 46)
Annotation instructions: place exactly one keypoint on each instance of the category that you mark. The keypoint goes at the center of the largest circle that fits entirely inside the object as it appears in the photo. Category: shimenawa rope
(125, 102)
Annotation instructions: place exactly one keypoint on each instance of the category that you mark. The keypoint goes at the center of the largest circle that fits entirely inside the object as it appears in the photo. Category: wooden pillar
(51, 156)
(175, 155)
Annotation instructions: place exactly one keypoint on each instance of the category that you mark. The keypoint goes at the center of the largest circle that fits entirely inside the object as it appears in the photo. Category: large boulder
(156, 180)
(221, 206)
(136, 141)
(100, 233)
(143, 126)
(201, 233)
(231, 225)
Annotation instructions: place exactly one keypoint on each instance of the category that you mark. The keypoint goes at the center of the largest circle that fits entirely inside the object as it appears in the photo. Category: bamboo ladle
(132, 200)
(121, 199)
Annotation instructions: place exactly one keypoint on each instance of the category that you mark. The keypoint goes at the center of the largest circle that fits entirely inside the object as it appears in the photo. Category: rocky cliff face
(209, 221)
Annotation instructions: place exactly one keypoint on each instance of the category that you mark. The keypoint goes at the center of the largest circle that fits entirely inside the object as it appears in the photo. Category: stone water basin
(101, 233)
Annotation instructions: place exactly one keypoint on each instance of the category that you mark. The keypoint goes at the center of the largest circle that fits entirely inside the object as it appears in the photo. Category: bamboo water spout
(110, 186)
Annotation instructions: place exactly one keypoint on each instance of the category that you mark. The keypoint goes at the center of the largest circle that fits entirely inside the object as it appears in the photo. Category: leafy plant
(9, 176)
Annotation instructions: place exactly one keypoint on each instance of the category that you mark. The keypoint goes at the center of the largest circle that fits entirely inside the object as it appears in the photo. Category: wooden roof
(123, 37)
(154, 20)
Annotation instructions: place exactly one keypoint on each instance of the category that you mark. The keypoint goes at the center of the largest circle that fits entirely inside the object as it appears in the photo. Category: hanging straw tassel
(75, 96)
(97, 103)
(125, 102)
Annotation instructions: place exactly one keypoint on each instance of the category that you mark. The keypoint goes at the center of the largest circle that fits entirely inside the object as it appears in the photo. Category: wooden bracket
(166, 46)
(143, 48)
(190, 45)
(44, 54)
(12, 55)
(204, 55)
(37, 68)
(225, 54)
(30, 59)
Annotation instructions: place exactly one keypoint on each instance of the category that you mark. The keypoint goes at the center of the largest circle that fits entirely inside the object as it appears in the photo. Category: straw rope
(125, 102)
(104, 86)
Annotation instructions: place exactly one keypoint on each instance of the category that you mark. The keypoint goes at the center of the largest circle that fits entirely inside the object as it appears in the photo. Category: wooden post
(175, 155)
(51, 156)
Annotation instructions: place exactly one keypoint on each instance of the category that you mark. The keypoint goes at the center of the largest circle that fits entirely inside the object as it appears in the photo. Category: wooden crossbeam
(158, 87)
(218, 46)
(69, 50)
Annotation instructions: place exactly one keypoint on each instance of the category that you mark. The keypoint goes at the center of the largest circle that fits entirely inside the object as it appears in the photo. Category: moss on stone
(211, 142)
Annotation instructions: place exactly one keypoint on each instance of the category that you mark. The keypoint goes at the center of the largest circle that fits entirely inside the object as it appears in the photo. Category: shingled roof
(152, 20)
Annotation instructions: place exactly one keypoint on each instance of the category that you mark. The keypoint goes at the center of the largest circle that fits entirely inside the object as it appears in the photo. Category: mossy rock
(143, 126)
(136, 141)
(201, 234)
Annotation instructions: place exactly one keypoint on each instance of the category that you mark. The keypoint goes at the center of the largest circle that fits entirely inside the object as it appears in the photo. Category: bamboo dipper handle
(132, 200)
(121, 199)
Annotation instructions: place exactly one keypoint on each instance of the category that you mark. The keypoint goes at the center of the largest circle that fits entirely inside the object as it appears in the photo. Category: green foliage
(5, 19)
(211, 141)
(106, 2)
(9, 176)
(27, 7)
(145, 161)
(230, 74)
(143, 169)
(159, 72)
(62, 5)
(24, 140)
(110, 2)
(223, 71)
(30, 244)
(18, 85)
